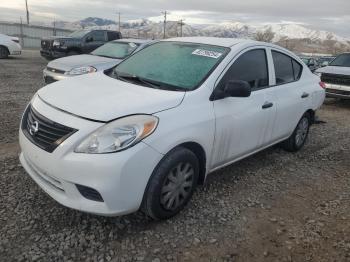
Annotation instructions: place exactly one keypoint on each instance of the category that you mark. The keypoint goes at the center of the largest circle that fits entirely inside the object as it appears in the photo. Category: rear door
(242, 124)
(292, 96)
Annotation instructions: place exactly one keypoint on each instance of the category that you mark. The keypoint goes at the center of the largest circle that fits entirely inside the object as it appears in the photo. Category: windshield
(342, 60)
(116, 49)
(180, 65)
(79, 33)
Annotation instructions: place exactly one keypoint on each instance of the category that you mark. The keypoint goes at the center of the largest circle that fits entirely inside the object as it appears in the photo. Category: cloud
(321, 14)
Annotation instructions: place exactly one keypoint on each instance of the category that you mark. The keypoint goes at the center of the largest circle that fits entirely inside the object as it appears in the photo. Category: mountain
(150, 29)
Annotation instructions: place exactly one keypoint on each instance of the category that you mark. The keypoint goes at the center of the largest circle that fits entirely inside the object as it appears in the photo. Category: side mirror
(89, 39)
(237, 88)
(325, 63)
(233, 88)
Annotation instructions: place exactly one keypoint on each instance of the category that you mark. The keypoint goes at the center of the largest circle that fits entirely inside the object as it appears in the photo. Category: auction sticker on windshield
(207, 53)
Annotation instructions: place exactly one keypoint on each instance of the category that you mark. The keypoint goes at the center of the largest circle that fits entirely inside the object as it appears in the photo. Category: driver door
(243, 125)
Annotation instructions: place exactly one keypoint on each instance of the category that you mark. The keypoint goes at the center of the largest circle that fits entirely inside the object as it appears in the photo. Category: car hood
(70, 62)
(338, 70)
(102, 98)
(60, 37)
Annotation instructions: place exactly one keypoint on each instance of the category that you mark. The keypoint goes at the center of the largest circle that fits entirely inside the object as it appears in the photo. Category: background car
(336, 77)
(9, 45)
(78, 42)
(103, 58)
(325, 60)
(310, 62)
(144, 134)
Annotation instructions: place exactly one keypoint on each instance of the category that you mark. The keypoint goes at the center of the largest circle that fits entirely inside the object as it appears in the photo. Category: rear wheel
(172, 184)
(297, 140)
(4, 53)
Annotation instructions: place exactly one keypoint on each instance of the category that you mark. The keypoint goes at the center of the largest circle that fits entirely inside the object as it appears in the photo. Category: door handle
(267, 105)
(305, 95)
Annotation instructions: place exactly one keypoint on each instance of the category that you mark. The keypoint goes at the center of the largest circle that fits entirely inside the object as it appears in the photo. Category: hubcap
(301, 132)
(177, 186)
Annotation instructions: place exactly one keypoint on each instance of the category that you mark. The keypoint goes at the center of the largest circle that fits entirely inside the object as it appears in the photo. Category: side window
(98, 36)
(112, 36)
(298, 69)
(251, 67)
(286, 68)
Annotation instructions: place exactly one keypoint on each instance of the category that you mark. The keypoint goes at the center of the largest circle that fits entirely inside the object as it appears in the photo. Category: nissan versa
(144, 134)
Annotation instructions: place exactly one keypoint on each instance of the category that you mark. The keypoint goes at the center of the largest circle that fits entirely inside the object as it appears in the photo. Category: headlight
(318, 74)
(56, 43)
(82, 70)
(119, 134)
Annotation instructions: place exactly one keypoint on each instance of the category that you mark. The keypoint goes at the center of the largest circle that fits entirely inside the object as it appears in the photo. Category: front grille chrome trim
(49, 134)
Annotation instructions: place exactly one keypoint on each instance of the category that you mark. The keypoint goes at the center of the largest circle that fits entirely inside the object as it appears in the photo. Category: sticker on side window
(207, 53)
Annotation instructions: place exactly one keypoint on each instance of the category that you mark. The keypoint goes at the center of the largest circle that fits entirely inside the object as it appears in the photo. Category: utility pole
(21, 33)
(165, 14)
(27, 12)
(118, 21)
(181, 23)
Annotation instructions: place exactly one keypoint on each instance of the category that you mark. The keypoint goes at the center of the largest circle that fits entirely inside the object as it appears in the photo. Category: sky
(329, 15)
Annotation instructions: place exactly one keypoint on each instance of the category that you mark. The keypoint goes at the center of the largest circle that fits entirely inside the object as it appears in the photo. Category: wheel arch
(6, 48)
(74, 49)
(199, 151)
(312, 114)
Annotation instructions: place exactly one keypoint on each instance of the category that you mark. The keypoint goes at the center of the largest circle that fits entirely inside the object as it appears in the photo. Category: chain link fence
(30, 35)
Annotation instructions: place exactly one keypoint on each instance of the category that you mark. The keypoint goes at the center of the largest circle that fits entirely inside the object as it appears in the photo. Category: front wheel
(172, 184)
(4, 53)
(297, 140)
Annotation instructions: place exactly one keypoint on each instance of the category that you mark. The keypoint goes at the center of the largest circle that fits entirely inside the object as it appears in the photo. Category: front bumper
(337, 91)
(50, 77)
(16, 52)
(52, 54)
(120, 178)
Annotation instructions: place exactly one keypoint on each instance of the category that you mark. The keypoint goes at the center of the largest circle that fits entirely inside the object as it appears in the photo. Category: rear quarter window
(287, 69)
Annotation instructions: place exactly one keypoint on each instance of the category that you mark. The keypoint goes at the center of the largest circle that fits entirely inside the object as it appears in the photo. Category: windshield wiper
(147, 82)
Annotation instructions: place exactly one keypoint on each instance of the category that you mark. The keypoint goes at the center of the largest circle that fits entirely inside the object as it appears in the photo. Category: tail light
(322, 84)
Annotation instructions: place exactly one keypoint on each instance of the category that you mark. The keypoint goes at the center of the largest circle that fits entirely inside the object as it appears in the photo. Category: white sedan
(9, 45)
(145, 134)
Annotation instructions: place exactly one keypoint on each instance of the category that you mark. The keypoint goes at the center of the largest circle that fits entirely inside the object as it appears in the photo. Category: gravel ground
(273, 206)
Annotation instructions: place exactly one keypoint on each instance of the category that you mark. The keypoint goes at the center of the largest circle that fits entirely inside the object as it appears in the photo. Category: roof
(226, 42)
(133, 40)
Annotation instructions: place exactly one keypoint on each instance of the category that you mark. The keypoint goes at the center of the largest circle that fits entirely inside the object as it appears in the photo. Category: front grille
(43, 132)
(46, 44)
(337, 91)
(336, 79)
(54, 70)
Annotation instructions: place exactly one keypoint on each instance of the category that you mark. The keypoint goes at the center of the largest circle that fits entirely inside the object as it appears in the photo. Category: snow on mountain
(150, 29)
(295, 31)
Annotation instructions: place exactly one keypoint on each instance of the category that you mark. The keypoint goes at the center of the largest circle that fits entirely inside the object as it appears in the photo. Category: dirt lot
(274, 206)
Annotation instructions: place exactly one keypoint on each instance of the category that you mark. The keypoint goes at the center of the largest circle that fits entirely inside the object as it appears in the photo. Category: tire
(171, 185)
(4, 52)
(297, 140)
